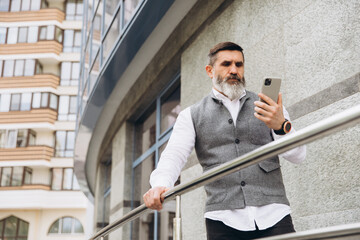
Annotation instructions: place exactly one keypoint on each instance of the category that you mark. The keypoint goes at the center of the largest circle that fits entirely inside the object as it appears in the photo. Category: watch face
(287, 127)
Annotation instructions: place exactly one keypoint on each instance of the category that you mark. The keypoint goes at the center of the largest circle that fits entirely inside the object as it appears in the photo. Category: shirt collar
(222, 97)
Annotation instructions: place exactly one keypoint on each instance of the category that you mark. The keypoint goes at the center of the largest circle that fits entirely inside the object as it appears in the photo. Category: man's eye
(226, 64)
(239, 64)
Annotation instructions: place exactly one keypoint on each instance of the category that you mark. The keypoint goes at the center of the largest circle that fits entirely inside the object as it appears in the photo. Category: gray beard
(232, 91)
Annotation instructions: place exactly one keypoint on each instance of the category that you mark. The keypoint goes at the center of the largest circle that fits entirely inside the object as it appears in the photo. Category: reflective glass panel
(44, 99)
(25, 102)
(28, 176)
(63, 105)
(29, 67)
(12, 35)
(70, 142)
(4, 5)
(56, 178)
(70, 9)
(73, 104)
(22, 35)
(32, 34)
(129, 9)
(42, 34)
(66, 225)
(36, 100)
(21, 138)
(55, 227)
(170, 108)
(15, 102)
(23, 229)
(11, 139)
(17, 176)
(10, 227)
(68, 38)
(68, 178)
(19, 68)
(2, 35)
(6, 176)
(60, 143)
(53, 101)
(25, 5)
(111, 36)
(58, 35)
(65, 70)
(78, 228)
(35, 5)
(50, 33)
(141, 178)
(75, 71)
(15, 5)
(146, 133)
(8, 68)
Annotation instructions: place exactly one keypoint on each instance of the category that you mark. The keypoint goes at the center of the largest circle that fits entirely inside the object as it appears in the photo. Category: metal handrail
(308, 134)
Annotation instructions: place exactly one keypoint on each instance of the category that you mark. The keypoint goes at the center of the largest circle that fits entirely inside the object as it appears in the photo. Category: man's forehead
(230, 55)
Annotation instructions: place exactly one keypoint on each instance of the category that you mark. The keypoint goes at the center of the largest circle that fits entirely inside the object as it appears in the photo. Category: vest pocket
(269, 165)
(216, 191)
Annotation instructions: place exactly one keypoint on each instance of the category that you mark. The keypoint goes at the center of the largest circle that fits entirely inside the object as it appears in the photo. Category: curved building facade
(142, 62)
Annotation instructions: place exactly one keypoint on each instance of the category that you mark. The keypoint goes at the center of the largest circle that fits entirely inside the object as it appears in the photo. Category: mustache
(234, 76)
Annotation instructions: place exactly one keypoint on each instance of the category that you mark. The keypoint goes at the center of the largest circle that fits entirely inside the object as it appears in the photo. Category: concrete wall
(314, 46)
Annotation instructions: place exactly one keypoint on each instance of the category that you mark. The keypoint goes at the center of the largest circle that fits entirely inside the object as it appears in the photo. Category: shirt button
(230, 121)
(237, 141)
(242, 183)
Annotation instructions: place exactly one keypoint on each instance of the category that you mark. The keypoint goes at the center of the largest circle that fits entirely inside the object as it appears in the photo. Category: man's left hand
(271, 112)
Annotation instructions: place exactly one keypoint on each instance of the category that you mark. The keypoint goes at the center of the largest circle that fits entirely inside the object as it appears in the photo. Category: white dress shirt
(180, 146)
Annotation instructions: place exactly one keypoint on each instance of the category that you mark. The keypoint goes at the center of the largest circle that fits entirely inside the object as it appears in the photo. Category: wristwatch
(285, 128)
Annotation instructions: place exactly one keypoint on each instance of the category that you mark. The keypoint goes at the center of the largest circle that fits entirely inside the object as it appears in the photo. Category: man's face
(227, 73)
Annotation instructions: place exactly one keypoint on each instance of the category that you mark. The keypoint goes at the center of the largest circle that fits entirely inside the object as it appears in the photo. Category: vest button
(237, 141)
(242, 183)
(230, 121)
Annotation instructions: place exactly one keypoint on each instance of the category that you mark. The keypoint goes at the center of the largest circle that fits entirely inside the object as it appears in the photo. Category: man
(224, 125)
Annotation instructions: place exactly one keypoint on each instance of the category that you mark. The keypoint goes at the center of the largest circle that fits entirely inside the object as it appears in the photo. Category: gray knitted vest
(218, 141)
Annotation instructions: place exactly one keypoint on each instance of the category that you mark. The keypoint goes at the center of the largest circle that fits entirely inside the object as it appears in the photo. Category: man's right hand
(153, 199)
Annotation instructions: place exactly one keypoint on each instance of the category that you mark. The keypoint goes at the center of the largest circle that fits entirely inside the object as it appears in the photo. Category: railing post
(177, 221)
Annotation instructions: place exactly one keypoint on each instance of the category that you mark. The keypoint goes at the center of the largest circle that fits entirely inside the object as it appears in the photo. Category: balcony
(48, 14)
(27, 153)
(51, 46)
(43, 80)
(27, 187)
(33, 116)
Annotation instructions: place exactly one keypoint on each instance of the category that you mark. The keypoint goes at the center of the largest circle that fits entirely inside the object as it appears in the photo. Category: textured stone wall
(314, 46)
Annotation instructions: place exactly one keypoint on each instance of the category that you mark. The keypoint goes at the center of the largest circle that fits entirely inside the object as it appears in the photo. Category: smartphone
(271, 88)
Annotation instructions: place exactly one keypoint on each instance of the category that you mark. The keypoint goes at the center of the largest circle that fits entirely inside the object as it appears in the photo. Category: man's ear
(209, 70)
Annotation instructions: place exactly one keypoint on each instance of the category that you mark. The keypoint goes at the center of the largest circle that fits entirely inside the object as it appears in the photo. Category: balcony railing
(47, 14)
(27, 153)
(41, 80)
(27, 187)
(42, 115)
(315, 131)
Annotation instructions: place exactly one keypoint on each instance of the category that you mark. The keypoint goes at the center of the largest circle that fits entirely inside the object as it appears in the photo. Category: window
(74, 9)
(63, 179)
(20, 102)
(66, 225)
(2, 33)
(70, 72)
(13, 228)
(67, 108)
(111, 35)
(22, 38)
(45, 100)
(50, 33)
(4, 5)
(152, 131)
(129, 9)
(20, 67)
(15, 176)
(17, 138)
(21, 5)
(64, 146)
(72, 41)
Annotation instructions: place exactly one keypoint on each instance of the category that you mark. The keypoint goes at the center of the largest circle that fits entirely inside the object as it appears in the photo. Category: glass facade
(15, 176)
(152, 132)
(105, 23)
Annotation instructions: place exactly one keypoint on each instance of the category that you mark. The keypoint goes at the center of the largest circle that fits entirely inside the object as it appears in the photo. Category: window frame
(36, 65)
(72, 232)
(17, 236)
(24, 169)
(63, 179)
(65, 144)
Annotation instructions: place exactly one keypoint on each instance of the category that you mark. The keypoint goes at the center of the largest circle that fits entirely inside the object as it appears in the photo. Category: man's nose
(233, 69)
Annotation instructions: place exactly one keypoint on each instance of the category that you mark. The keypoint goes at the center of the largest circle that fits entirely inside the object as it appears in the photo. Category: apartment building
(144, 61)
(40, 196)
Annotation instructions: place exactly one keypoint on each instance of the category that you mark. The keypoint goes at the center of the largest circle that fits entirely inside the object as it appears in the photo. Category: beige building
(40, 198)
